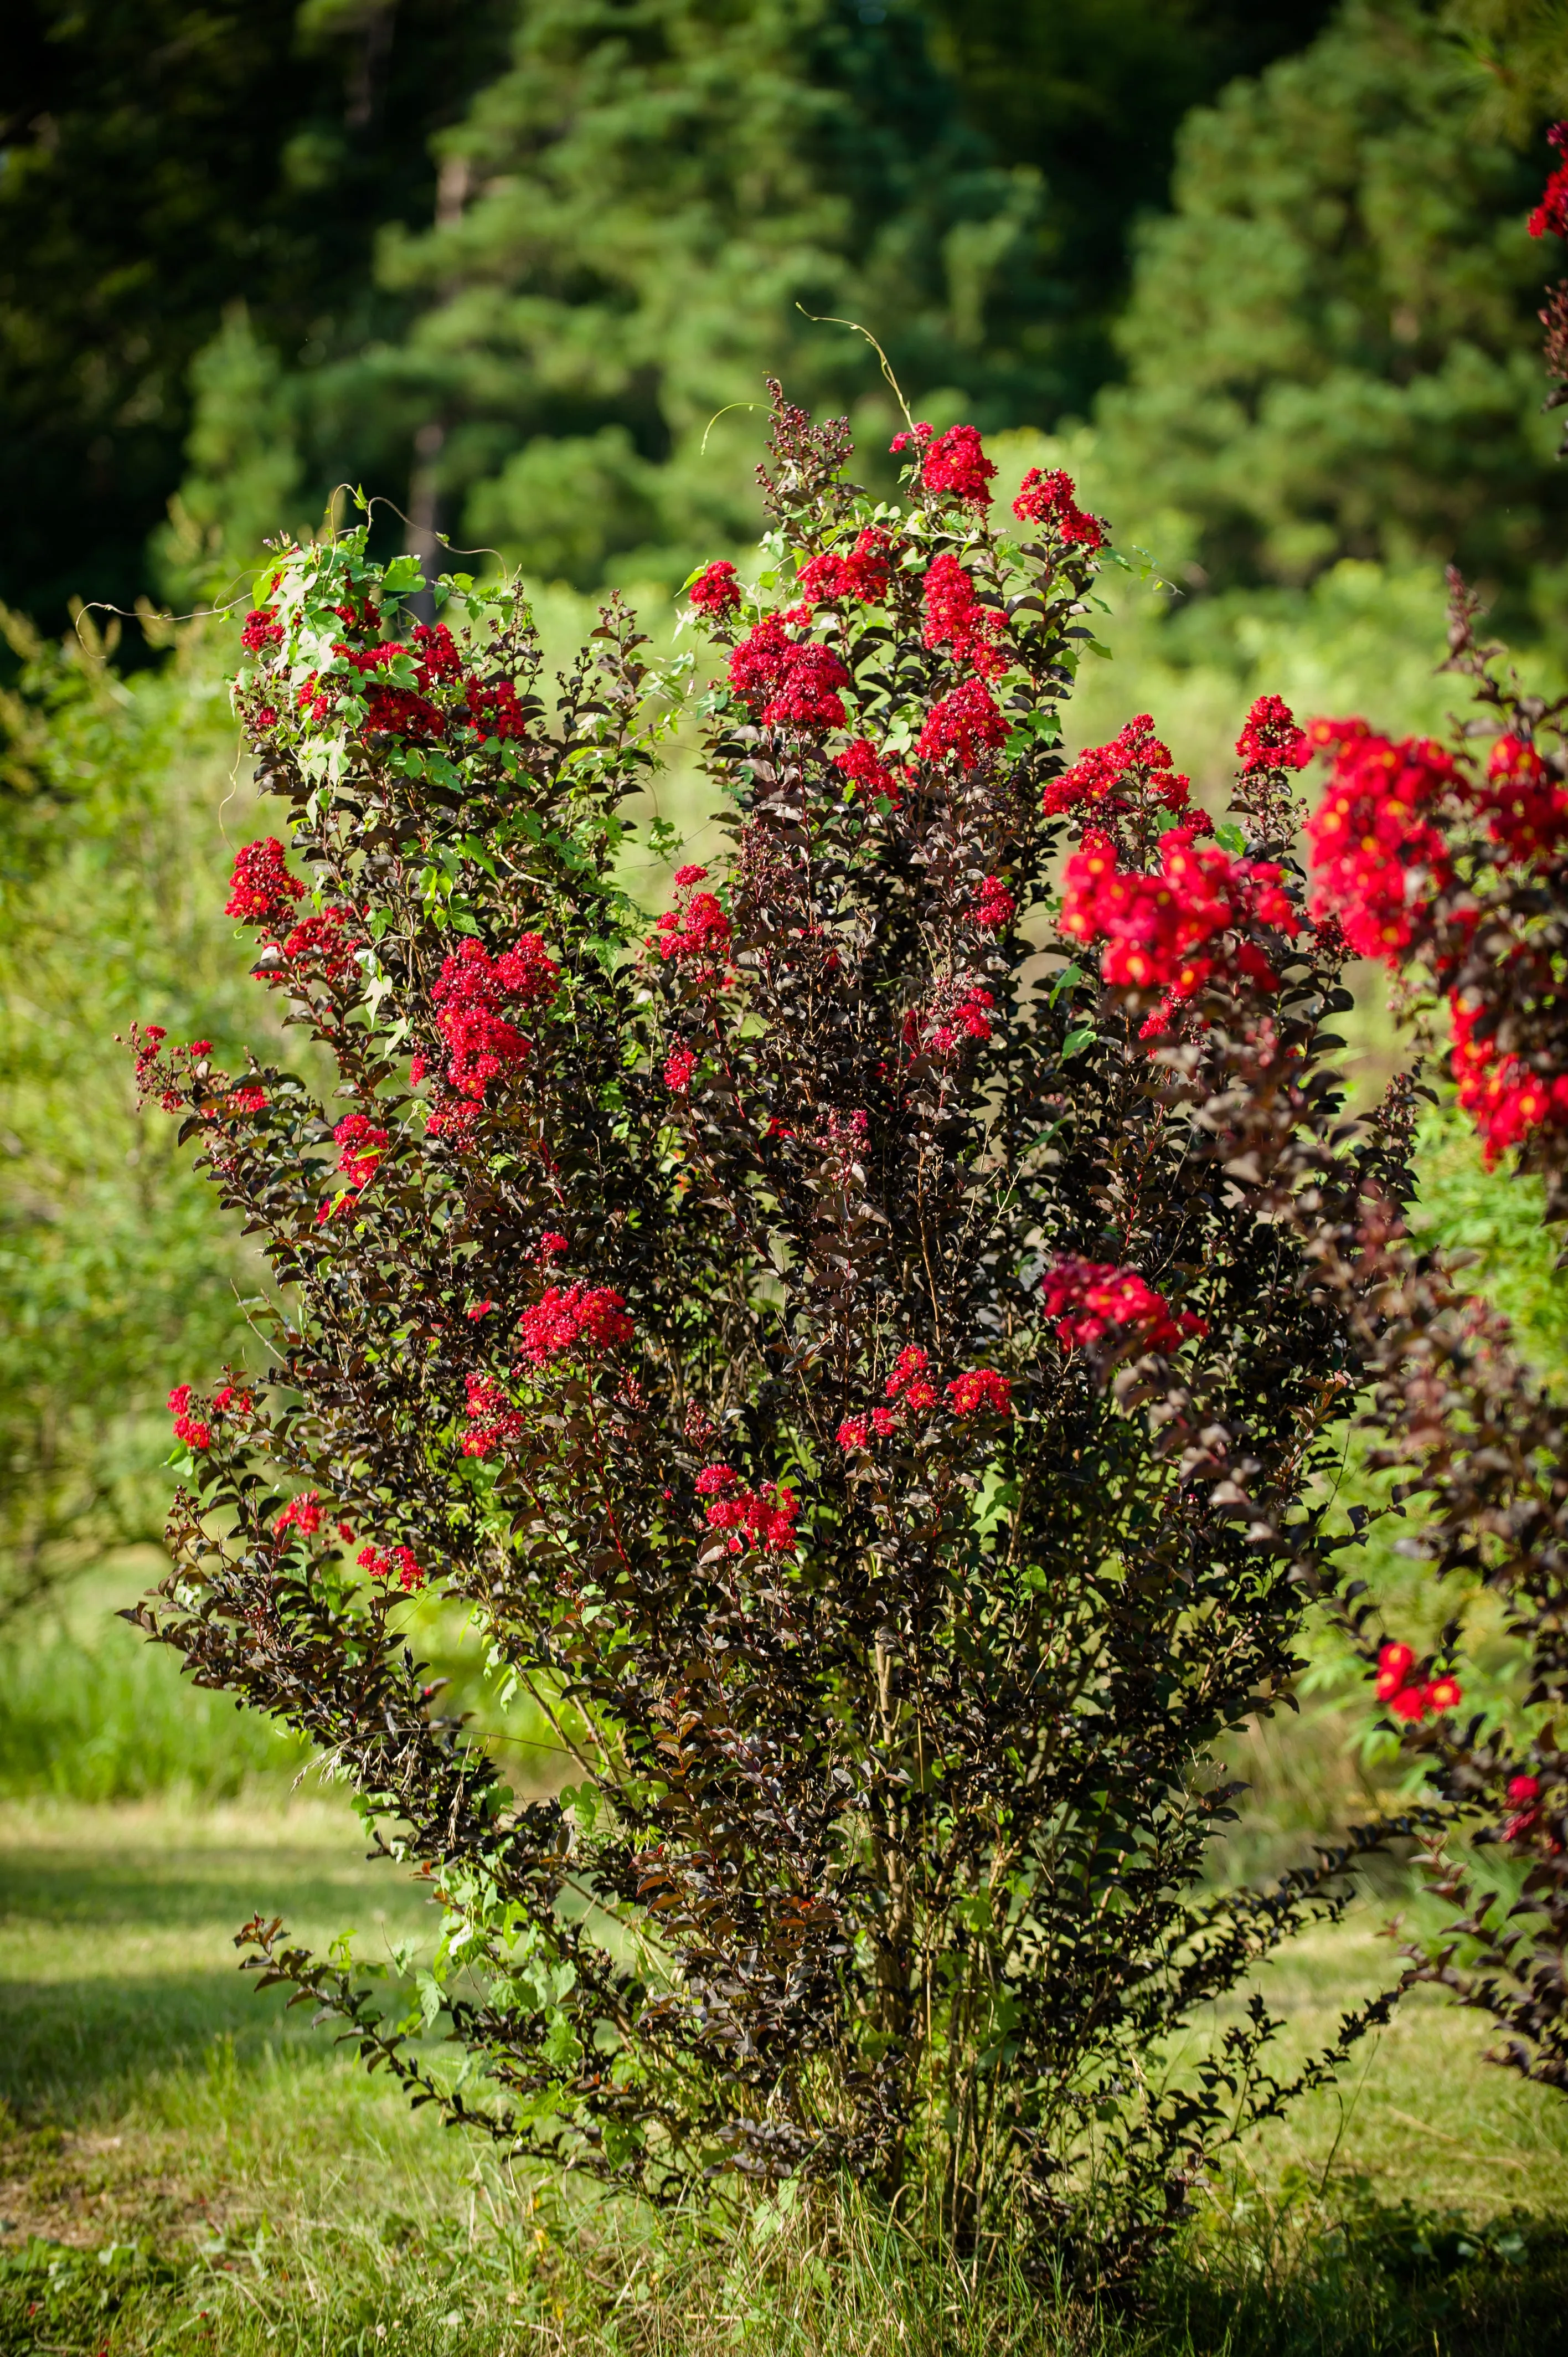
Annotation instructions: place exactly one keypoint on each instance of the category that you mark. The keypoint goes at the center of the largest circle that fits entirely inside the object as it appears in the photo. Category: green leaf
(1077, 1041)
(403, 573)
(1230, 837)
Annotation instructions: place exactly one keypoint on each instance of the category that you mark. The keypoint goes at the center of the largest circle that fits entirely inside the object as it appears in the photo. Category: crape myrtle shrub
(863, 1368)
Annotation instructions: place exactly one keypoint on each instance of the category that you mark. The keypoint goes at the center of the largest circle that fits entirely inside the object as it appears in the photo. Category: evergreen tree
(160, 161)
(1332, 341)
(638, 207)
(1091, 97)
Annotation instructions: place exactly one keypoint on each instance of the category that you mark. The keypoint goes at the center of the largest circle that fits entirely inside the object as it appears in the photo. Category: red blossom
(1412, 1699)
(262, 630)
(1524, 1791)
(862, 575)
(1503, 1096)
(1525, 807)
(195, 1431)
(1376, 859)
(1180, 929)
(1270, 738)
(261, 890)
(911, 1361)
(679, 1067)
(1550, 215)
(1050, 500)
(715, 589)
(867, 773)
(565, 1319)
(765, 1517)
(472, 990)
(361, 1146)
(437, 655)
(981, 1388)
(691, 874)
(400, 1559)
(302, 1515)
(788, 683)
(883, 1420)
(961, 1011)
(853, 1432)
(1133, 772)
(492, 1419)
(995, 906)
(955, 466)
(323, 940)
(956, 618)
(552, 1246)
(478, 1309)
(494, 710)
(1087, 1300)
(966, 722)
(697, 930)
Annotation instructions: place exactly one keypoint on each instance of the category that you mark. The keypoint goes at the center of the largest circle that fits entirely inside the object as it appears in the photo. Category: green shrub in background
(113, 1263)
(1331, 341)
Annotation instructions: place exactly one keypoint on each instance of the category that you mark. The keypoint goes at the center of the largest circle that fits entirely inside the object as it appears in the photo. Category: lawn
(187, 2166)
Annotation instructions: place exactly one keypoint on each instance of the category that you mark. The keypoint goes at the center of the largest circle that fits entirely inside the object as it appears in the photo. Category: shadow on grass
(73, 2046)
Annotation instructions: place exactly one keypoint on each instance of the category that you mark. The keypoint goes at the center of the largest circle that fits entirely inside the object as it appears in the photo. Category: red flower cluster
(470, 994)
(570, 1318)
(909, 1382)
(1524, 1791)
(1089, 1299)
(361, 1146)
(766, 1517)
(954, 467)
(715, 589)
(788, 683)
(1178, 929)
(861, 766)
(1374, 852)
(955, 617)
(1550, 215)
(302, 1515)
(1270, 738)
(697, 928)
(261, 890)
(491, 1416)
(495, 710)
(679, 1067)
(1412, 1699)
(393, 711)
(981, 1388)
(862, 575)
(1133, 772)
(966, 722)
(401, 1560)
(1050, 500)
(194, 1430)
(996, 908)
(262, 630)
(1504, 1098)
(961, 1011)
(323, 940)
(1525, 808)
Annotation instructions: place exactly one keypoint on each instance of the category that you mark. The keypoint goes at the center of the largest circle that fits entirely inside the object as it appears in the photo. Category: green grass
(177, 2144)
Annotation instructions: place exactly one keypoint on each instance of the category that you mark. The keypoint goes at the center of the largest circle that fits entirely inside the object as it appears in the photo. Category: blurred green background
(1258, 276)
